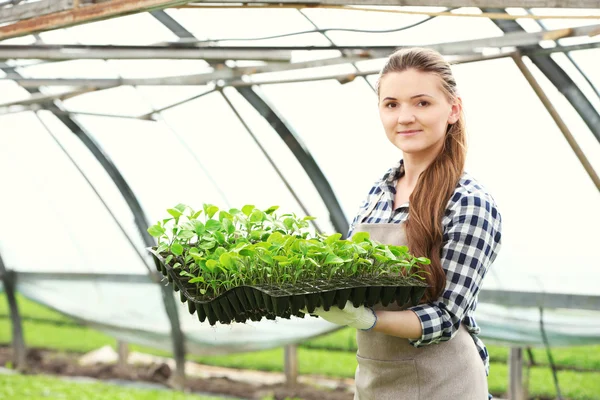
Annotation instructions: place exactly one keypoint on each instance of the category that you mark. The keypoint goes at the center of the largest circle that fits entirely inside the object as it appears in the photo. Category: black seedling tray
(255, 302)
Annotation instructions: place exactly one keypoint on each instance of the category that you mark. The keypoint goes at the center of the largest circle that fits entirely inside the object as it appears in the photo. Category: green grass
(315, 356)
(585, 357)
(36, 387)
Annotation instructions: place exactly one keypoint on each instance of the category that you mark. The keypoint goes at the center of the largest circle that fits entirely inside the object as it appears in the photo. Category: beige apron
(389, 368)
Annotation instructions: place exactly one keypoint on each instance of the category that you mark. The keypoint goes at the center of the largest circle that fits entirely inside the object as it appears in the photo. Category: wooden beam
(589, 168)
(30, 10)
(432, 3)
(84, 14)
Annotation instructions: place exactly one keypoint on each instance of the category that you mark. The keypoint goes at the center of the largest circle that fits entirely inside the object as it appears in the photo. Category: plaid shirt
(472, 232)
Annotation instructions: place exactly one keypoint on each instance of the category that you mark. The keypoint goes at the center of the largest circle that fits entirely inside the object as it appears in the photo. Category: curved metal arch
(141, 223)
(556, 75)
(284, 130)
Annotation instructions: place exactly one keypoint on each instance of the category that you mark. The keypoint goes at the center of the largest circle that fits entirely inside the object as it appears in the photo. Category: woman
(427, 202)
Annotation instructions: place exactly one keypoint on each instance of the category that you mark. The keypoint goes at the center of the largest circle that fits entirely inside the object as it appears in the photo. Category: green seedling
(217, 250)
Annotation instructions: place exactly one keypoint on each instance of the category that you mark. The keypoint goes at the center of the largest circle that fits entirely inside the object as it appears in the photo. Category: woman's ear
(455, 111)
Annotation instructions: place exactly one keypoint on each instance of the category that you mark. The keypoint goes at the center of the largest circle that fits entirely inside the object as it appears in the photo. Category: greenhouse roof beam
(235, 81)
(76, 52)
(557, 76)
(196, 79)
(430, 3)
(289, 137)
(47, 14)
(37, 9)
(276, 53)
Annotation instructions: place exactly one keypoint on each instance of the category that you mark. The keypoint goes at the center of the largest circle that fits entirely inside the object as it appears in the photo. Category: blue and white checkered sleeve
(360, 214)
(471, 242)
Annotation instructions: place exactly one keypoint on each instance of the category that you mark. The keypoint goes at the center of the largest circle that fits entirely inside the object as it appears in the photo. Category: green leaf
(199, 227)
(211, 264)
(180, 207)
(176, 249)
(212, 210)
(156, 230)
(275, 238)
(174, 212)
(185, 234)
(207, 245)
(223, 215)
(257, 216)
(169, 258)
(256, 235)
(247, 252)
(228, 225)
(280, 258)
(423, 260)
(196, 214)
(266, 258)
(213, 225)
(289, 223)
(162, 248)
(188, 226)
(333, 238)
(308, 218)
(271, 209)
(220, 237)
(333, 259)
(247, 209)
(360, 237)
(226, 260)
(196, 280)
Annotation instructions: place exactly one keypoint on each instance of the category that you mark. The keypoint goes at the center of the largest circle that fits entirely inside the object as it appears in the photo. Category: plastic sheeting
(135, 313)
(197, 152)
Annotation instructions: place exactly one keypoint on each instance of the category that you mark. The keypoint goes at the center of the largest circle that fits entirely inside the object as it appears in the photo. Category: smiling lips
(410, 132)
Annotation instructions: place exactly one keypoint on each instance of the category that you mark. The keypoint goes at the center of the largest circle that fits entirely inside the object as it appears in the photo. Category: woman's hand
(360, 318)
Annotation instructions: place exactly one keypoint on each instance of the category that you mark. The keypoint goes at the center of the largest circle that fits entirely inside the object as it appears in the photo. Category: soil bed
(41, 361)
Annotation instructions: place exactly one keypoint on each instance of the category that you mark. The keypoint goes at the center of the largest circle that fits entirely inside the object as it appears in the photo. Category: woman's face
(415, 111)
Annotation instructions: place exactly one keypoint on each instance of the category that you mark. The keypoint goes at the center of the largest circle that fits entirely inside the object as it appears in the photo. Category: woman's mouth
(410, 132)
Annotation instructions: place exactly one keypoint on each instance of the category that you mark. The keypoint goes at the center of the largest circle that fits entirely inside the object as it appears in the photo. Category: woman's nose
(405, 117)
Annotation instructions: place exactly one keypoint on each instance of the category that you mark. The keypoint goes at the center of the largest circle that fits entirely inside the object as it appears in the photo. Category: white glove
(360, 318)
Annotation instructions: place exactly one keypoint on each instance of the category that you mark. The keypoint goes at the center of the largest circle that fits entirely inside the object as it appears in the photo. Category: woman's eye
(423, 103)
(390, 105)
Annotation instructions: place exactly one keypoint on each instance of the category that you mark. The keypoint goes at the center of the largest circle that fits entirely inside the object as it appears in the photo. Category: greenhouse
(113, 112)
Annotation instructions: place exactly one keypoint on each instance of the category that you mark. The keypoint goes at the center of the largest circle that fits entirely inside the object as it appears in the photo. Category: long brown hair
(437, 183)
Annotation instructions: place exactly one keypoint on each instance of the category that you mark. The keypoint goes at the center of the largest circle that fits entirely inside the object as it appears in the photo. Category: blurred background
(111, 112)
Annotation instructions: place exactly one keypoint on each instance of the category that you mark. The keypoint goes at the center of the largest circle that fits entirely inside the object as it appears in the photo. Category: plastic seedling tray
(255, 302)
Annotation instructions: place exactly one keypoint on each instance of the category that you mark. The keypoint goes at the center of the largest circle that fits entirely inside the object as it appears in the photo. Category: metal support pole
(557, 119)
(123, 351)
(291, 364)
(515, 374)
(18, 341)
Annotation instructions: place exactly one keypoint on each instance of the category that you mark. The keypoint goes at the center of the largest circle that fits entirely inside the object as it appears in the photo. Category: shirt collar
(389, 179)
